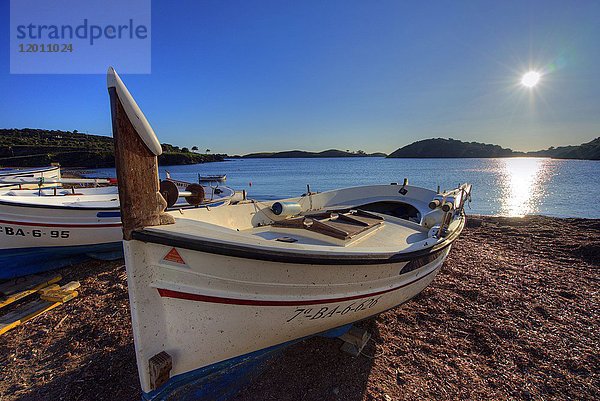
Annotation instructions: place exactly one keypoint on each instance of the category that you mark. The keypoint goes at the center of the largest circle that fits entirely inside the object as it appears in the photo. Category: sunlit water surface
(507, 187)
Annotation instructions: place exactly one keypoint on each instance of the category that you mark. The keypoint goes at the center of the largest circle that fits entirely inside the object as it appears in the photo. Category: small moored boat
(213, 290)
(211, 192)
(212, 178)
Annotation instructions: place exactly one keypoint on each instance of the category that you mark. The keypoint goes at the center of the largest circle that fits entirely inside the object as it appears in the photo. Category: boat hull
(24, 261)
(194, 305)
(221, 381)
(36, 239)
(39, 233)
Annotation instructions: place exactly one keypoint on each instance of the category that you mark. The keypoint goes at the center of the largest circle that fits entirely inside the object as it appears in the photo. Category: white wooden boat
(212, 290)
(45, 232)
(48, 228)
(30, 177)
(203, 178)
(210, 195)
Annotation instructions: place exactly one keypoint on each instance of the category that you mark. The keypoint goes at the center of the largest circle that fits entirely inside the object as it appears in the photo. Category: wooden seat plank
(338, 224)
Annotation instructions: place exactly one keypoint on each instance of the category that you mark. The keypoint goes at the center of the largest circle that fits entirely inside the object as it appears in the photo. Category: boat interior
(354, 225)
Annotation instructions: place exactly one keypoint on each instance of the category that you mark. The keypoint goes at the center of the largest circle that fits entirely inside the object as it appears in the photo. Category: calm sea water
(507, 187)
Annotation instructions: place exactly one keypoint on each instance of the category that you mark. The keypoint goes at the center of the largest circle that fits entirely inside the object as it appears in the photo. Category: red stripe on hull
(20, 223)
(235, 301)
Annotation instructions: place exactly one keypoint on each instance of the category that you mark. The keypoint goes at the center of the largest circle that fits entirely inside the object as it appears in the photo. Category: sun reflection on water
(522, 188)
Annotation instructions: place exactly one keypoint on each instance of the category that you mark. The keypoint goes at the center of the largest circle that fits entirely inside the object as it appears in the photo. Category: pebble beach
(514, 314)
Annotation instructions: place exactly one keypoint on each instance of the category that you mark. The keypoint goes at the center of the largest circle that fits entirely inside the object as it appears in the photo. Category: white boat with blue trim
(47, 228)
(212, 291)
(42, 231)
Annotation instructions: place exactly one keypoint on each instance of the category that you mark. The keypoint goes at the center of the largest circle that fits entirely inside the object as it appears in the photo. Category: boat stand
(354, 340)
(16, 289)
(50, 297)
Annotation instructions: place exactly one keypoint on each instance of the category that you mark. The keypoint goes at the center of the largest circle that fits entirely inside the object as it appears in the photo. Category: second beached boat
(48, 228)
(211, 290)
(28, 177)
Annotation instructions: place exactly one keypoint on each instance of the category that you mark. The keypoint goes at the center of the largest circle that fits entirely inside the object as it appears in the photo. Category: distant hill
(448, 148)
(303, 154)
(452, 148)
(38, 147)
(589, 150)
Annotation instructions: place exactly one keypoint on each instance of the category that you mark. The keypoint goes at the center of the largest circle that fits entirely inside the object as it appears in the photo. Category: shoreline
(513, 314)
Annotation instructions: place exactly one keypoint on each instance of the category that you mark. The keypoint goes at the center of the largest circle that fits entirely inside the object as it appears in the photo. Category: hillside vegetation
(37, 147)
(440, 147)
(450, 148)
(589, 150)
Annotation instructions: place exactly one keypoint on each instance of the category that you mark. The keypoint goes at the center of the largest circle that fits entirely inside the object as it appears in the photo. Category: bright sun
(531, 79)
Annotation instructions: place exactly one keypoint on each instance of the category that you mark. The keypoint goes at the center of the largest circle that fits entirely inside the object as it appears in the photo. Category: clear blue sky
(244, 76)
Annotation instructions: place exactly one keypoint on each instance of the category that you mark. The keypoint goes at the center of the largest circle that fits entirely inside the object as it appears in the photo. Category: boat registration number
(327, 312)
(19, 232)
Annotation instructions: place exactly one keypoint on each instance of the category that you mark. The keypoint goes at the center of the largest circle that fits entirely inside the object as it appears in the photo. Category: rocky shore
(514, 314)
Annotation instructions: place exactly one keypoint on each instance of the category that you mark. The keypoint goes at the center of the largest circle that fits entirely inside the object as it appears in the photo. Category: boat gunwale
(248, 252)
(46, 206)
(17, 172)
